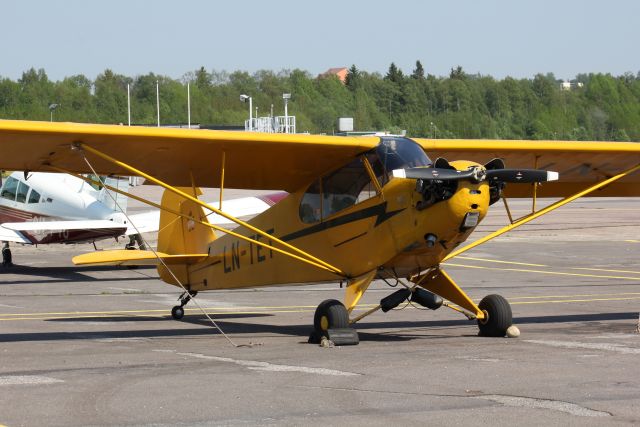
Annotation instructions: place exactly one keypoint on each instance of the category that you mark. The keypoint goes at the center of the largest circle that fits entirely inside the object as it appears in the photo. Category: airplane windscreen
(401, 153)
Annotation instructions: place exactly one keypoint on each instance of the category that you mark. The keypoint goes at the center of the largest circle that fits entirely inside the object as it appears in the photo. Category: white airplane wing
(7, 235)
(243, 207)
(41, 232)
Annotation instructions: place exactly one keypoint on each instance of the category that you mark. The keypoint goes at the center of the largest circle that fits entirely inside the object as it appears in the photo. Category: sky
(517, 38)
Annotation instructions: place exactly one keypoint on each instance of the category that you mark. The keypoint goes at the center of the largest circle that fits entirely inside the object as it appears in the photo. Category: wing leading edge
(580, 164)
(252, 160)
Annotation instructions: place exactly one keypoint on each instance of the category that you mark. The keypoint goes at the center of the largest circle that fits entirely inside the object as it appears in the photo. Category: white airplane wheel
(498, 316)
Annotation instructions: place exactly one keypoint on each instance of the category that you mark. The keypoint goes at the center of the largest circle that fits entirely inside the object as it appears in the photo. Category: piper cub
(358, 208)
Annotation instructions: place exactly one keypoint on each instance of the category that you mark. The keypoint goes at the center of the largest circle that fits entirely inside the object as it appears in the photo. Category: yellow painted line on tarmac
(557, 273)
(574, 300)
(632, 241)
(500, 262)
(604, 269)
(574, 295)
(108, 316)
(543, 265)
(544, 299)
(221, 309)
(164, 313)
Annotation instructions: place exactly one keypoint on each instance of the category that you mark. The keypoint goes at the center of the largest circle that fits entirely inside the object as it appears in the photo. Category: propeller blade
(431, 174)
(442, 163)
(521, 175)
(496, 163)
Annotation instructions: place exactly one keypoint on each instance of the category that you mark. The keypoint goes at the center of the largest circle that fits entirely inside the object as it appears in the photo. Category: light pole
(244, 98)
(286, 97)
(52, 107)
(158, 100)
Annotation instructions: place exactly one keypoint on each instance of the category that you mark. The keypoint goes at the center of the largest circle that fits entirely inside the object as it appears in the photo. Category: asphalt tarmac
(97, 346)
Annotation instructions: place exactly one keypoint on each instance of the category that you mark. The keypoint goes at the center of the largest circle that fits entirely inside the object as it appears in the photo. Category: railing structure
(278, 124)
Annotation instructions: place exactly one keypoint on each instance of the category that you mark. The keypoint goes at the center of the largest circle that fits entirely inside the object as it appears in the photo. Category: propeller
(494, 171)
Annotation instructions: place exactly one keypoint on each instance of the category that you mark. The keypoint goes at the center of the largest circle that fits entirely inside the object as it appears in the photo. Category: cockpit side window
(311, 205)
(21, 194)
(34, 196)
(9, 188)
(341, 188)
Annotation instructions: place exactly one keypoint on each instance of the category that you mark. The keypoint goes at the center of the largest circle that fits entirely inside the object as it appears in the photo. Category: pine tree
(394, 74)
(418, 72)
(353, 76)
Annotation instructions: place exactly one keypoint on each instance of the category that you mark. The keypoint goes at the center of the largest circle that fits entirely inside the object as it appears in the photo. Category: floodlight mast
(52, 107)
(244, 98)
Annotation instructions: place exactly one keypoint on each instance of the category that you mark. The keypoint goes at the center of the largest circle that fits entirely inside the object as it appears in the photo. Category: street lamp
(51, 108)
(286, 97)
(244, 98)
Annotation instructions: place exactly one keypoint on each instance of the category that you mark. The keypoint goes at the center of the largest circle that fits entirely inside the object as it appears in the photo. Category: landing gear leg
(6, 255)
(177, 312)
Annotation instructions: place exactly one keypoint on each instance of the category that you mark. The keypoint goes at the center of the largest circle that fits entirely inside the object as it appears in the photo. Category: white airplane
(42, 208)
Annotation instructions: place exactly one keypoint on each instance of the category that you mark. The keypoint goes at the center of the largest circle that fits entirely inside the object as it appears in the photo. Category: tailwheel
(177, 312)
(331, 320)
(498, 316)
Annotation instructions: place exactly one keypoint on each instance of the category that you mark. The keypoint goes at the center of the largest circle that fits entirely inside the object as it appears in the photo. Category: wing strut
(541, 212)
(303, 256)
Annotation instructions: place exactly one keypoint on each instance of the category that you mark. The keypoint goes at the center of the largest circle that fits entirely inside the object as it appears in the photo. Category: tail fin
(179, 235)
(112, 199)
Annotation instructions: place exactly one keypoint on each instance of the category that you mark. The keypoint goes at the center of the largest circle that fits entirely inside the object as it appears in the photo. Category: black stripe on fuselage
(378, 210)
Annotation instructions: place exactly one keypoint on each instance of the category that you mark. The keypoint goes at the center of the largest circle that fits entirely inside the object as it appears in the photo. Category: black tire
(177, 312)
(499, 314)
(334, 312)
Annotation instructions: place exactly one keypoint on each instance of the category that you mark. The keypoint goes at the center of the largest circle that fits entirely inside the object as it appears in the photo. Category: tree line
(460, 105)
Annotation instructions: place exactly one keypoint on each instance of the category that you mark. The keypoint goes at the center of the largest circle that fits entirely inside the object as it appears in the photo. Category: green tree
(418, 72)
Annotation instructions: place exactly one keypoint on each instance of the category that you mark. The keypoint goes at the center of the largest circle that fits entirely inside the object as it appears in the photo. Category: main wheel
(330, 314)
(7, 259)
(499, 316)
(177, 312)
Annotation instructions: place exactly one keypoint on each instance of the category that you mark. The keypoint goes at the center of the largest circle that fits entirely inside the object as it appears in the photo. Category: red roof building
(339, 72)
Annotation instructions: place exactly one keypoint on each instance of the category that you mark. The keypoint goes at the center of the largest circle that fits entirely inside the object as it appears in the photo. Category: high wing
(580, 164)
(252, 160)
(277, 161)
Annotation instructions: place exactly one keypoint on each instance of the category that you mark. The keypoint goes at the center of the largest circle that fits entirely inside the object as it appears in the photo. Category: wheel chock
(343, 336)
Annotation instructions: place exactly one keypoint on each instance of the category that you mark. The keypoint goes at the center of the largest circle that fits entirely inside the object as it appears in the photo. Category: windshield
(401, 153)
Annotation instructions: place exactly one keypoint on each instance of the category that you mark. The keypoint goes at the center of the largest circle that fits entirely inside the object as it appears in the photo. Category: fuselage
(55, 197)
(347, 220)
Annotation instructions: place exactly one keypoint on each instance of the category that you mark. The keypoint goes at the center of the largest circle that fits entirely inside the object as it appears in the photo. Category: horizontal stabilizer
(134, 257)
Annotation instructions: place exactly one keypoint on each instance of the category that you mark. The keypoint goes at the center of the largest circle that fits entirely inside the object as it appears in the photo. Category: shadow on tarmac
(65, 274)
(397, 331)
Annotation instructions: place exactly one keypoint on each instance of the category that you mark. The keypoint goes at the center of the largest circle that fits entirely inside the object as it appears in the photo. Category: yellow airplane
(359, 208)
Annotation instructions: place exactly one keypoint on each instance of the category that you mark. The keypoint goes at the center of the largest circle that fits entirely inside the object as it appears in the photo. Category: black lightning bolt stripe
(378, 210)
